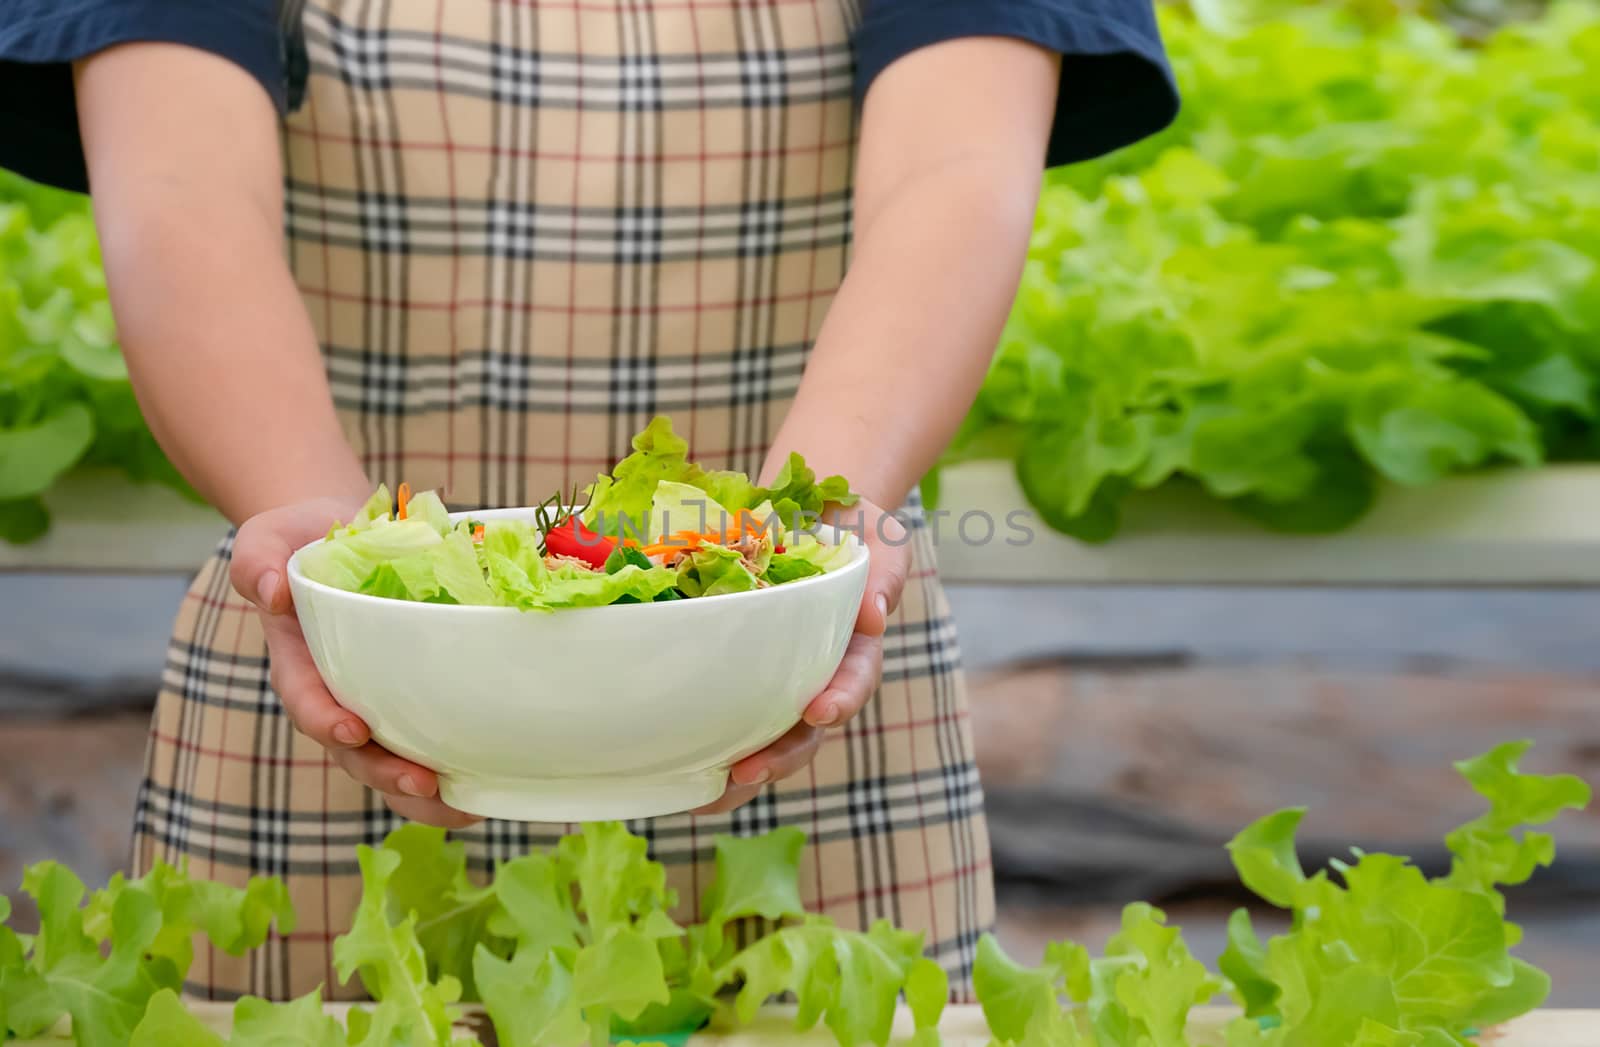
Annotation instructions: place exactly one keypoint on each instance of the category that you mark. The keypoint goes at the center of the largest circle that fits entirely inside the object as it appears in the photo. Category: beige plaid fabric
(523, 228)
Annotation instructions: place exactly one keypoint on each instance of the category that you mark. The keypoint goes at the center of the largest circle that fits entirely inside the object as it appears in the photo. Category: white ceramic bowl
(585, 714)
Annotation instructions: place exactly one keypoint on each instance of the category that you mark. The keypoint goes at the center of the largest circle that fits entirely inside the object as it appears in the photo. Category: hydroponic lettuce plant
(1377, 954)
(1366, 252)
(65, 399)
(578, 943)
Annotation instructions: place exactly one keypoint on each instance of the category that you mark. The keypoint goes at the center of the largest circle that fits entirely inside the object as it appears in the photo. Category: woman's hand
(857, 677)
(260, 574)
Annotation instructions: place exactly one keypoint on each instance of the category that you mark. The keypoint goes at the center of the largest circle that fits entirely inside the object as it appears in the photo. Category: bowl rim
(858, 562)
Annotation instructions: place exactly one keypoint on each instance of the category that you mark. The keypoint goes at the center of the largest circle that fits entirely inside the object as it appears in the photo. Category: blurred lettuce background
(65, 400)
(1368, 251)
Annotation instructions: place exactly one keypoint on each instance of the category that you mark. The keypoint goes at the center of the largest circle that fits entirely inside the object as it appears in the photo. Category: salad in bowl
(657, 528)
(612, 659)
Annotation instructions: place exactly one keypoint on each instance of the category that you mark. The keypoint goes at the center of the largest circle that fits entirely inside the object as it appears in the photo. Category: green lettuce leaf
(807, 550)
(849, 979)
(530, 999)
(755, 876)
(1014, 996)
(1147, 983)
(518, 576)
(1244, 964)
(624, 502)
(620, 974)
(378, 507)
(233, 919)
(1420, 958)
(33, 457)
(455, 565)
(712, 570)
(391, 962)
(682, 507)
(168, 1023)
(23, 520)
(259, 1023)
(798, 497)
(789, 567)
(347, 560)
(453, 915)
(927, 991)
(536, 908)
(620, 503)
(427, 507)
(1490, 851)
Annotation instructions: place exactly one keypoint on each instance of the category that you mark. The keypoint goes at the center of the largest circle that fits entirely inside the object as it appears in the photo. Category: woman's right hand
(260, 574)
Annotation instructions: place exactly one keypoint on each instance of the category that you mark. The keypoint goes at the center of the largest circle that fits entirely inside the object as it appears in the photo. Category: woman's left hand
(857, 677)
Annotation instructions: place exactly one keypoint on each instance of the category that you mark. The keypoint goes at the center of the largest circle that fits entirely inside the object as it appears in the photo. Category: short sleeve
(1116, 84)
(40, 39)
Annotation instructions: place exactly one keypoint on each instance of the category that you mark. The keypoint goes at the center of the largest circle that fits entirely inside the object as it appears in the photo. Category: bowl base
(581, 799)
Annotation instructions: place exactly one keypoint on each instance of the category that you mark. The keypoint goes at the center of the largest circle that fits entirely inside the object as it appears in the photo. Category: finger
(307, 700)
(382, 771)
(735, 797)
(886, 576)
(430, 812)
(853, 683)
(778, 760)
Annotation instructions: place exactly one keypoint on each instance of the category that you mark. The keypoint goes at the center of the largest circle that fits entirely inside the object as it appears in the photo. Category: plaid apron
(521, 230)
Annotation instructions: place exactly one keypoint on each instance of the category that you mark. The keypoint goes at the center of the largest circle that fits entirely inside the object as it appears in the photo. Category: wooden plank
(100, 521)
(1105, 785)
(965, 1027)
(1515, 527)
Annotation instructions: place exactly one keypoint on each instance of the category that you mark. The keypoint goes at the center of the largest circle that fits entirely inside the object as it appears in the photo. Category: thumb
(886, 576)
(262, 548)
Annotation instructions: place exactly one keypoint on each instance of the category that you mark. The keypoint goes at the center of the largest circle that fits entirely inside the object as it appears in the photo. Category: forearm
(184, 169)
(952, 149)
(910, 334)
(222, 355)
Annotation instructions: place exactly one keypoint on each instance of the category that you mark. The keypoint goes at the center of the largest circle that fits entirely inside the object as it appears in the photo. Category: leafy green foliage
(620, 503)
(392, 964)
(1140, 992)
(1387, 957)
(578, 942)
(101, 960)
(1390, 954)
(1365, 253)
(65, 399)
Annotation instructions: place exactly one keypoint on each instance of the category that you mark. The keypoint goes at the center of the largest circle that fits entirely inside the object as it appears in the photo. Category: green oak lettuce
(100, 958)
(1363, 255)
(581, 942)
(1377, 953)
(620, 502)
(65, 399)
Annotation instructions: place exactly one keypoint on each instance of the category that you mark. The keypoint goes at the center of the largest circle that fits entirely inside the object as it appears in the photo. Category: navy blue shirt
(1116, 86)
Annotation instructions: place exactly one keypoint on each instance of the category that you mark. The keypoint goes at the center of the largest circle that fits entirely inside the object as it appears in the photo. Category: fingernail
(346, 734)
(267, 589)
(829, 717)
(882, 603)
(761, 778)
(408, 785)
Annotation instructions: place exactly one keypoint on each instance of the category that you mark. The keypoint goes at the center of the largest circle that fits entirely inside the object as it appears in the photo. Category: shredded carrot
(663, 548)
(477, 533)
(403, 497)
(690, 539)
